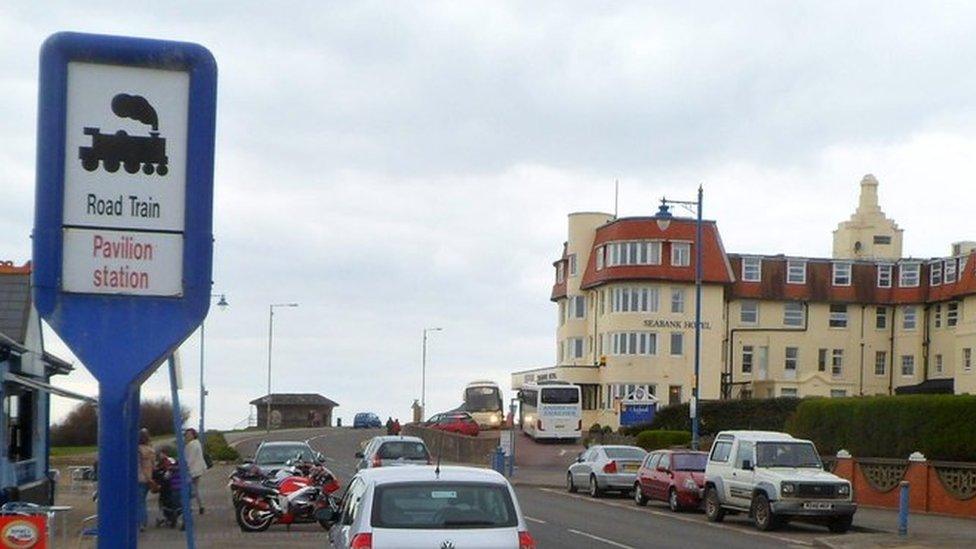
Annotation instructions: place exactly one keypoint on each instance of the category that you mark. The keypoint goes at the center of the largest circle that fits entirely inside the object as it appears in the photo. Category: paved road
(555, 518)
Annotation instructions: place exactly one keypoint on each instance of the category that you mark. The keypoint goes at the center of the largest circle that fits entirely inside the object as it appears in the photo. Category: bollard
(498, 460)
(903, 509)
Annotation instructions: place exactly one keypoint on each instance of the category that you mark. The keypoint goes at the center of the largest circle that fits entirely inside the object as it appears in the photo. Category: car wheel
(762, 513)
(713, 507)
(639, 497)
(841, 524)
(570, 485)
(673, 500)
(595, 490)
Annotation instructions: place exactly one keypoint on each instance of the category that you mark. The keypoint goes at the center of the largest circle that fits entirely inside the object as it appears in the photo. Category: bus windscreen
(560, 395)
(482, 399)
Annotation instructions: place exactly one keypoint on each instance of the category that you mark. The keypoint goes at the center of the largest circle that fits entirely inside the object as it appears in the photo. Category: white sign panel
(102, 261)
(125, 180)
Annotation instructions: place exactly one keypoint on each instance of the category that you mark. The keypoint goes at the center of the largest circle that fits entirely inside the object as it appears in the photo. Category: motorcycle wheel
(249, 520)
(325, 524)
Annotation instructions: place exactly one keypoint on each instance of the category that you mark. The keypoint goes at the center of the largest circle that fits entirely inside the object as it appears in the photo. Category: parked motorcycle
(298, 498)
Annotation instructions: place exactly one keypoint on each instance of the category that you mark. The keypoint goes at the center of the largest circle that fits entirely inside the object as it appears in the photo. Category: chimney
(869, 195)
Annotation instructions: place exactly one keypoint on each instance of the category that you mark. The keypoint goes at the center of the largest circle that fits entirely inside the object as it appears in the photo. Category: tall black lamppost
(663, 220)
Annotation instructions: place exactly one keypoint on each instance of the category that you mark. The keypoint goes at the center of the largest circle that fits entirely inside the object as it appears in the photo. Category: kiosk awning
(47, 387)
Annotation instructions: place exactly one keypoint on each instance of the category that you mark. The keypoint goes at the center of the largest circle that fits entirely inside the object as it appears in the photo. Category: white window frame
(838, 393)
(797, 314)
(881, 359)
(909, 317)
(837, 363)
(967, 359)
(747, 351)
(680, 254)
(599, 258)
(752, 265)
(560, 273)
(879, 314)
(938, 364)
(837, 316)
(681, 345)
(633, 343)
(575, 346)
(907, 360)
(885, 272)
(949, 271)
(633, 252)
(577, 306)
(635, 299)
(908, 272)
(935, 273)
(677, 300)
(790, 392)
(794, 267)
(791, 363)
(937, 316)
(742, 311)
(952, 314)
(837, 266)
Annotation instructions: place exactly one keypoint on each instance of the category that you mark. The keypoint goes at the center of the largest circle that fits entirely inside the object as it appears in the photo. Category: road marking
(532, 519)
(673, 516)
(562, 452)
(598, 538)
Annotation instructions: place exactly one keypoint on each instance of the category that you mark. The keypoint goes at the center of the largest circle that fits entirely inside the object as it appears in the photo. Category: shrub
(80, 426)
(607, 430)
(655, 440)
(769, 414)
(596, 428)
(218, 448)
(939, 426)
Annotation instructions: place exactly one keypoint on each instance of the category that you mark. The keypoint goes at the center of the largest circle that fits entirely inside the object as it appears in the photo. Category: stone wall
(452, 447)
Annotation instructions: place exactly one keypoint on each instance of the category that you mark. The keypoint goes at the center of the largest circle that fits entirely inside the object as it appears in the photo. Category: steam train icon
(131, 152)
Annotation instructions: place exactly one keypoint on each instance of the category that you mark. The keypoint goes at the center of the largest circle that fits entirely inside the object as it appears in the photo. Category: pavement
(554, 517)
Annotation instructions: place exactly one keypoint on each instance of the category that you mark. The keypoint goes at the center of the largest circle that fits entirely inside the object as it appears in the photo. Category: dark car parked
(366, 420)
(674, 476)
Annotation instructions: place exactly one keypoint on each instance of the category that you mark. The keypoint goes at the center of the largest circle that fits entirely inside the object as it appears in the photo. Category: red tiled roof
(716, 268)
(864, 283)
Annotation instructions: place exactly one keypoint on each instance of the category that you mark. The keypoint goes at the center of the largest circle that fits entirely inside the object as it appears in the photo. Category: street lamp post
(423, 374)
(663, 220)
(222, 303)
(271, 308)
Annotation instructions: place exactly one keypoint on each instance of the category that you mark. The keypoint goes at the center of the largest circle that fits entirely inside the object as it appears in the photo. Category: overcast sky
(392, 165)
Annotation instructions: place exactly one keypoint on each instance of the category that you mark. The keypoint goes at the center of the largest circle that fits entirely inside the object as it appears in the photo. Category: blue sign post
(122, 240)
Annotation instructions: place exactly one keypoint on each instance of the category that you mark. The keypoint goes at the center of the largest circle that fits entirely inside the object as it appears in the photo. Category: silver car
(428, 506)
(393, 450)
(603, 468)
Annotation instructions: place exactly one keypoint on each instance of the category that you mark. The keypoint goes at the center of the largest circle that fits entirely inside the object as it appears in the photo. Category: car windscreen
(560, 395)
(268, 455)
(786, 454)
(689, 462)
(482, 399)
(404, 449)
(443, 505)
(625, 453)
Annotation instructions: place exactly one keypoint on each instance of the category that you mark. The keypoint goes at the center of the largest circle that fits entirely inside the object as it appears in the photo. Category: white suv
(774, 477)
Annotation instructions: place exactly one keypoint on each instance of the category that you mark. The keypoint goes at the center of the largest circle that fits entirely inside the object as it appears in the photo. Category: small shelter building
(290, 410)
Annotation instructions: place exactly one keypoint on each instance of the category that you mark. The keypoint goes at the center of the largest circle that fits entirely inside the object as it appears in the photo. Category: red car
(674, 476)
(454, 422)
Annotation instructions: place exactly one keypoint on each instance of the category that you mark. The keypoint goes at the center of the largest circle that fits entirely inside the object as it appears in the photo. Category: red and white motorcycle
(296, 497)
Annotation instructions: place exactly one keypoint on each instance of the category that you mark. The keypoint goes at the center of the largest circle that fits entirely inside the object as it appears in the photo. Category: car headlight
(690, 484)
(788, 489)
(495, 418)
(844, 490)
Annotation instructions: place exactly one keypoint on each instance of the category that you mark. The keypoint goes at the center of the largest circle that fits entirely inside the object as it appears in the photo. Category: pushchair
(167, 477)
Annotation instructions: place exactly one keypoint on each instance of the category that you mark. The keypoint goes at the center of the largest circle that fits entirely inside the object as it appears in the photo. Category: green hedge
(768, 414)
(943, 427)
(218, 448)
(655, 440)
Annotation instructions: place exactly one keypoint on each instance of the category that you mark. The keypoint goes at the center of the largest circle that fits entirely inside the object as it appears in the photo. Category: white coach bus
(551, 409)
(483, 400)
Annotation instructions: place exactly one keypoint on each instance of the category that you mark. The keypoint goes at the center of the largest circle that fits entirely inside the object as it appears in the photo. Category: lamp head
(663, 217)
(222, 303)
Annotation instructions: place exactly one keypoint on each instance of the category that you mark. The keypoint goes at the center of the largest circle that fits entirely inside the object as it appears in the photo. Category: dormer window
(884, 275)
(680, 254)
(842, 274)
(935, 273)
(950, 270)
(560, 273)
(796, 272)
(751, 269)
(908, 275)
(633, 253)
(599, 258)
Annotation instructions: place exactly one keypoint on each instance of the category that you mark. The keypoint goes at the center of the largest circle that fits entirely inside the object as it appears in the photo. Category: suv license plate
(560, 426)
(818, 506)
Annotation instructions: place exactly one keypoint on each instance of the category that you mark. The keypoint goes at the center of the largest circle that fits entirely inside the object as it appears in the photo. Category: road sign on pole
(122, 260)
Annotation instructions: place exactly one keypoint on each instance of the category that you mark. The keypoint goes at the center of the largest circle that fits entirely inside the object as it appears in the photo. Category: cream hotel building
(866, 321)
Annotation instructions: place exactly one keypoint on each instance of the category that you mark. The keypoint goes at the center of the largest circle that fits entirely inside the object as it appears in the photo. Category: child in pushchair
(166, 475)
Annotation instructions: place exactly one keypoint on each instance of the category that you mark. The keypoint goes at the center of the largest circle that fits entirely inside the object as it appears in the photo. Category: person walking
(389, 425)
(195, 463)
(146, 459)
(396, 426)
